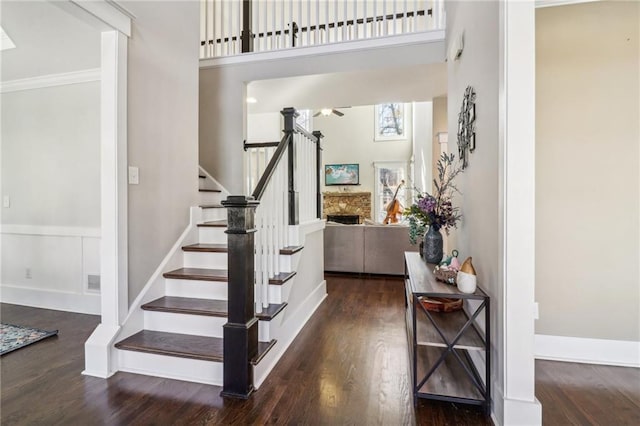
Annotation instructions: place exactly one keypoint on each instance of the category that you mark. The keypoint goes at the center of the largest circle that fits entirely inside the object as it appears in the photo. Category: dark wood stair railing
(241, 331)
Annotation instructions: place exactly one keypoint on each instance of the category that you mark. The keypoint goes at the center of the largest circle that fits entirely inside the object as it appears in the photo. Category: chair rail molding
(51, 80)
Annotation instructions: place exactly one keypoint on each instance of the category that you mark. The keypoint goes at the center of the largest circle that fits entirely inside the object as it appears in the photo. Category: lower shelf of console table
(449, 352)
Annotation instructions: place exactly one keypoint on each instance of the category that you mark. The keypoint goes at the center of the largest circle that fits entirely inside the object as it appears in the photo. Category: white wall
(422, 145)
(264, 127)
(50, 142)
(478, 233)
(223, 92)
(587, 182)
(163, 130)
(350, 139)
(51, 155)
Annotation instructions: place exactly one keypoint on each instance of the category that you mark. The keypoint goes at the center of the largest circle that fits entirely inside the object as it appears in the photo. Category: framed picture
(342, 174)
(390, 122)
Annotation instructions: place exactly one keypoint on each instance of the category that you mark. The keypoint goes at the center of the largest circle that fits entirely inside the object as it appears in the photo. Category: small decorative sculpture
(455, 263)
(466, 278)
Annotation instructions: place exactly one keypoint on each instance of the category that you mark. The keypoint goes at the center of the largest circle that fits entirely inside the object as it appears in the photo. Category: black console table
(450, 352)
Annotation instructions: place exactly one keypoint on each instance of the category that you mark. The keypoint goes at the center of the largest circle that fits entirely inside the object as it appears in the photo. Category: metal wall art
(467, 126)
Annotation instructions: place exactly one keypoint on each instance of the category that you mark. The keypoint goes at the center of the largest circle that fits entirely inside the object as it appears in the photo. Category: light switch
(6, 201)
(134, 176)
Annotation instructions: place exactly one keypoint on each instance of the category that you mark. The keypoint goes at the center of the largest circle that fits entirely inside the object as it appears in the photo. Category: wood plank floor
(349, 365)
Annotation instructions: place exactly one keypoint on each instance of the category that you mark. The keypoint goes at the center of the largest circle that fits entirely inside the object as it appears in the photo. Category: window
(389, 176)
(304, 119)
(390, 123)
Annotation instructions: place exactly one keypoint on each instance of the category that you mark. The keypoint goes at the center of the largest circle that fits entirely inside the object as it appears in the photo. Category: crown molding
(552, 3)
(51, 80)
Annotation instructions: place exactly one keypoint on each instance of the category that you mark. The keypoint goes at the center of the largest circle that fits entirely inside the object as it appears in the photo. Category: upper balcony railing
(232, 27)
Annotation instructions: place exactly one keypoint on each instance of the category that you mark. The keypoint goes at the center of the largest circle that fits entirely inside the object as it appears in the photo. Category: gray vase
(432, 250)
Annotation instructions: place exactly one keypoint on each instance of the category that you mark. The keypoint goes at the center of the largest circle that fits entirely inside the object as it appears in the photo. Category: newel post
(319, 174)
(290, 115)
(241, 329)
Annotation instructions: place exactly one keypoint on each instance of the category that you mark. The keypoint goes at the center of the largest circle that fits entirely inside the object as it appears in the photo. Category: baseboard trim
(47, 299)
(588, 351)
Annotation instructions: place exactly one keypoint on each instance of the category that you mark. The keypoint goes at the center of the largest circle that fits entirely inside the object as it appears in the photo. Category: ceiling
(48, 40)
(408, 84)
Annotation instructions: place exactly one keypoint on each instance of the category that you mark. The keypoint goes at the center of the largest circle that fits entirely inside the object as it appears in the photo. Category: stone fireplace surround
(347, 203)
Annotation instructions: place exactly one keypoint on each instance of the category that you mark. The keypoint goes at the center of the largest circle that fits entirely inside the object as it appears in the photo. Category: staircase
(185, 325)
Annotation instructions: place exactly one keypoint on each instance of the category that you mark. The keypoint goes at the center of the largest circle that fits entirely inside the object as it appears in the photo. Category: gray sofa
(372, 249)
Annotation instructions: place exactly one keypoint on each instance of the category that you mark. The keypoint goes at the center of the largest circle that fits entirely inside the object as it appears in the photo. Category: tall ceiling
(48, 40)
(415, 83)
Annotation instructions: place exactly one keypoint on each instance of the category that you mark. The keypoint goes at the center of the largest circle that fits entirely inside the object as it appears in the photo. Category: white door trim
(517, 215)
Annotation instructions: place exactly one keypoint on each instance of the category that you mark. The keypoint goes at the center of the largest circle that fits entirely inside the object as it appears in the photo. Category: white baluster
(285, 216)
(266, 25)
(355, 20)
(374, 23)
(317, 24)
(290, 38)
(344, 21)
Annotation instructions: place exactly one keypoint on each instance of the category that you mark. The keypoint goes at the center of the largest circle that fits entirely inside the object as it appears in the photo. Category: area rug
(14, 337)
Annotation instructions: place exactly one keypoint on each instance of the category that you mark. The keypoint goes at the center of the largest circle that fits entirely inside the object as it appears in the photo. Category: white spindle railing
(282, 24)
(272, 214)
(306, 175)
(271, 222)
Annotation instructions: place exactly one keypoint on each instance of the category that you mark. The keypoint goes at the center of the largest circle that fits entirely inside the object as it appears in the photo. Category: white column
(517, 195)
(113, 157)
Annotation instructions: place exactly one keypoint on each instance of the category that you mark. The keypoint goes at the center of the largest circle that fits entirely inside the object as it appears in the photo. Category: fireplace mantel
(347, 203)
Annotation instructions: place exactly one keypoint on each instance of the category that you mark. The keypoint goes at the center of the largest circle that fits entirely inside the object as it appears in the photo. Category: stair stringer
(153, 289)
(307, 291)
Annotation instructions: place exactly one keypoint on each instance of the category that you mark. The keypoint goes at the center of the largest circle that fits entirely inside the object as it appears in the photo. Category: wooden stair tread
(174, 344)
(188, 305)
(184, 346)
(209, 248)
(206, 307)
(291, 249)
(270, 313)
(281, 278)
(211, 206)
(263, 348)
(198, 274)
(215, 224)
(209, 190)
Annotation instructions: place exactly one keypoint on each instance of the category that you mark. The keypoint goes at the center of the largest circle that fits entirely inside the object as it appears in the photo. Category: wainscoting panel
(48, 267)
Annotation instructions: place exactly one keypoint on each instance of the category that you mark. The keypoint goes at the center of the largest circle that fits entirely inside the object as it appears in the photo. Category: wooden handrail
(253, 145)
(271, 167)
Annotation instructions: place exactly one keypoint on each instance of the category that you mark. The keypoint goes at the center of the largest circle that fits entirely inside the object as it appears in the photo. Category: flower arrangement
(436, 210)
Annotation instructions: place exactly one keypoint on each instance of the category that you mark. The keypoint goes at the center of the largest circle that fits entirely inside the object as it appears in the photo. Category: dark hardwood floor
(585, 394)
(349, 365)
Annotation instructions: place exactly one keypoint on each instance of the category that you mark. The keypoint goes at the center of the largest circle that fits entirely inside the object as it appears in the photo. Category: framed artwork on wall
(390, 122)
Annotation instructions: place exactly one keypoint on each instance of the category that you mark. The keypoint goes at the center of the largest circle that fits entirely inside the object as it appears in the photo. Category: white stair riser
(280, 293)
(268, 330)
(208, 260)
(190, 370)
(288, 260)
(207, 184)
(198, 325)
(211, 235)
(214, 214)
(196, 288)
(210, 197)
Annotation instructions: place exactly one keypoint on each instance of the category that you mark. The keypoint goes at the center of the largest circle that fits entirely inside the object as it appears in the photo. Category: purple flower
(427, 204)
